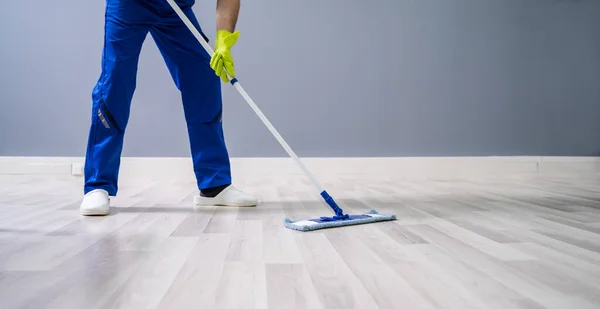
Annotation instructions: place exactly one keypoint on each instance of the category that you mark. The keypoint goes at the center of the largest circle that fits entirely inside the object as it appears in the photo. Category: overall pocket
(106, 118)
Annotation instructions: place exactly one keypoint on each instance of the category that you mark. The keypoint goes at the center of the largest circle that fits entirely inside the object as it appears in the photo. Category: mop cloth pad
(320, 223)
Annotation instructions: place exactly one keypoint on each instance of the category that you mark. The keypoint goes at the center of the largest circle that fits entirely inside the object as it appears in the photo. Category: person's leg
(126, 27)
(200, 88)
(201, 95)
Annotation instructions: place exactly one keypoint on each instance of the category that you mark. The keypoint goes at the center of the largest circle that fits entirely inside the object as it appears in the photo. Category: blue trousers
(127, 23)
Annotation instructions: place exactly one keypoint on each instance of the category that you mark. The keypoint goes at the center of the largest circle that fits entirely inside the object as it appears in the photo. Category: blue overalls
(127, 24)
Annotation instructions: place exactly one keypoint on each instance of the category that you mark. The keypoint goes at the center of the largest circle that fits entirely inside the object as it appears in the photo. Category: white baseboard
(177, 168)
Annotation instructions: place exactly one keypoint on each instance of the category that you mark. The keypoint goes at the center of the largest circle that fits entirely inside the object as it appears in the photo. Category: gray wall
(336, 77)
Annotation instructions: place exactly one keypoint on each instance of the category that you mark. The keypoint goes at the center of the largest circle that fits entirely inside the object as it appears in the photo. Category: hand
(222, 61)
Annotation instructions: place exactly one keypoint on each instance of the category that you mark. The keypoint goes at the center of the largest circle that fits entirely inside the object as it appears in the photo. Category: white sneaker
(230, 196)
(95, 203)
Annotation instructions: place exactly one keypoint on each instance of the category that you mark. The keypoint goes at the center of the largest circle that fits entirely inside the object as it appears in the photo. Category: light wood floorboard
(523, 242)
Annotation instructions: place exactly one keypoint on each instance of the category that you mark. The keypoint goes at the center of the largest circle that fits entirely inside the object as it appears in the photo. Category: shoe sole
(203, 202)
(94, 212)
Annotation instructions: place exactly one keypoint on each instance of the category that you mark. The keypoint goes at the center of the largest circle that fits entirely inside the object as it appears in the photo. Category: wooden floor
(520, 242)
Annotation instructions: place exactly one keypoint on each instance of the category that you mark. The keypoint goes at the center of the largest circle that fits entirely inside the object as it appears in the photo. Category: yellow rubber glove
(222, 61)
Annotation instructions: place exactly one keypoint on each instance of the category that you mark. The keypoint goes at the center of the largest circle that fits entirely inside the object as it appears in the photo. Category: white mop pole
(244, 94)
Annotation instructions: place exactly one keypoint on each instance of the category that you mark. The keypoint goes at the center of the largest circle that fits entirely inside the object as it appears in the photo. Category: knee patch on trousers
(219, 116)
(204, 119)
(106, 118)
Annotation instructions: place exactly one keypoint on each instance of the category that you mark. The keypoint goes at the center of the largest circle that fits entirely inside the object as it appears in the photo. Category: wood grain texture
(523, 242)
(196, 284)
(289, 286)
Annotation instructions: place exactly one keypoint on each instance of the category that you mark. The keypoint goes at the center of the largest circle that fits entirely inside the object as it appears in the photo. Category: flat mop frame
(339, 213)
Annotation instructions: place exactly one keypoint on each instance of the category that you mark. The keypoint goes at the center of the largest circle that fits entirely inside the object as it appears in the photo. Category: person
(196, 74)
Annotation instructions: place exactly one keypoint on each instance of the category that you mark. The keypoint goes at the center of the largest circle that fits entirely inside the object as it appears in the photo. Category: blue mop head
(323, 223)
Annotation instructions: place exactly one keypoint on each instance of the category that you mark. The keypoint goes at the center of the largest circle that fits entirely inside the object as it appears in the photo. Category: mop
(337, 220)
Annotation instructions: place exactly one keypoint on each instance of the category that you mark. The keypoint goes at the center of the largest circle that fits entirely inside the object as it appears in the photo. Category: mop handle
(244, 94)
